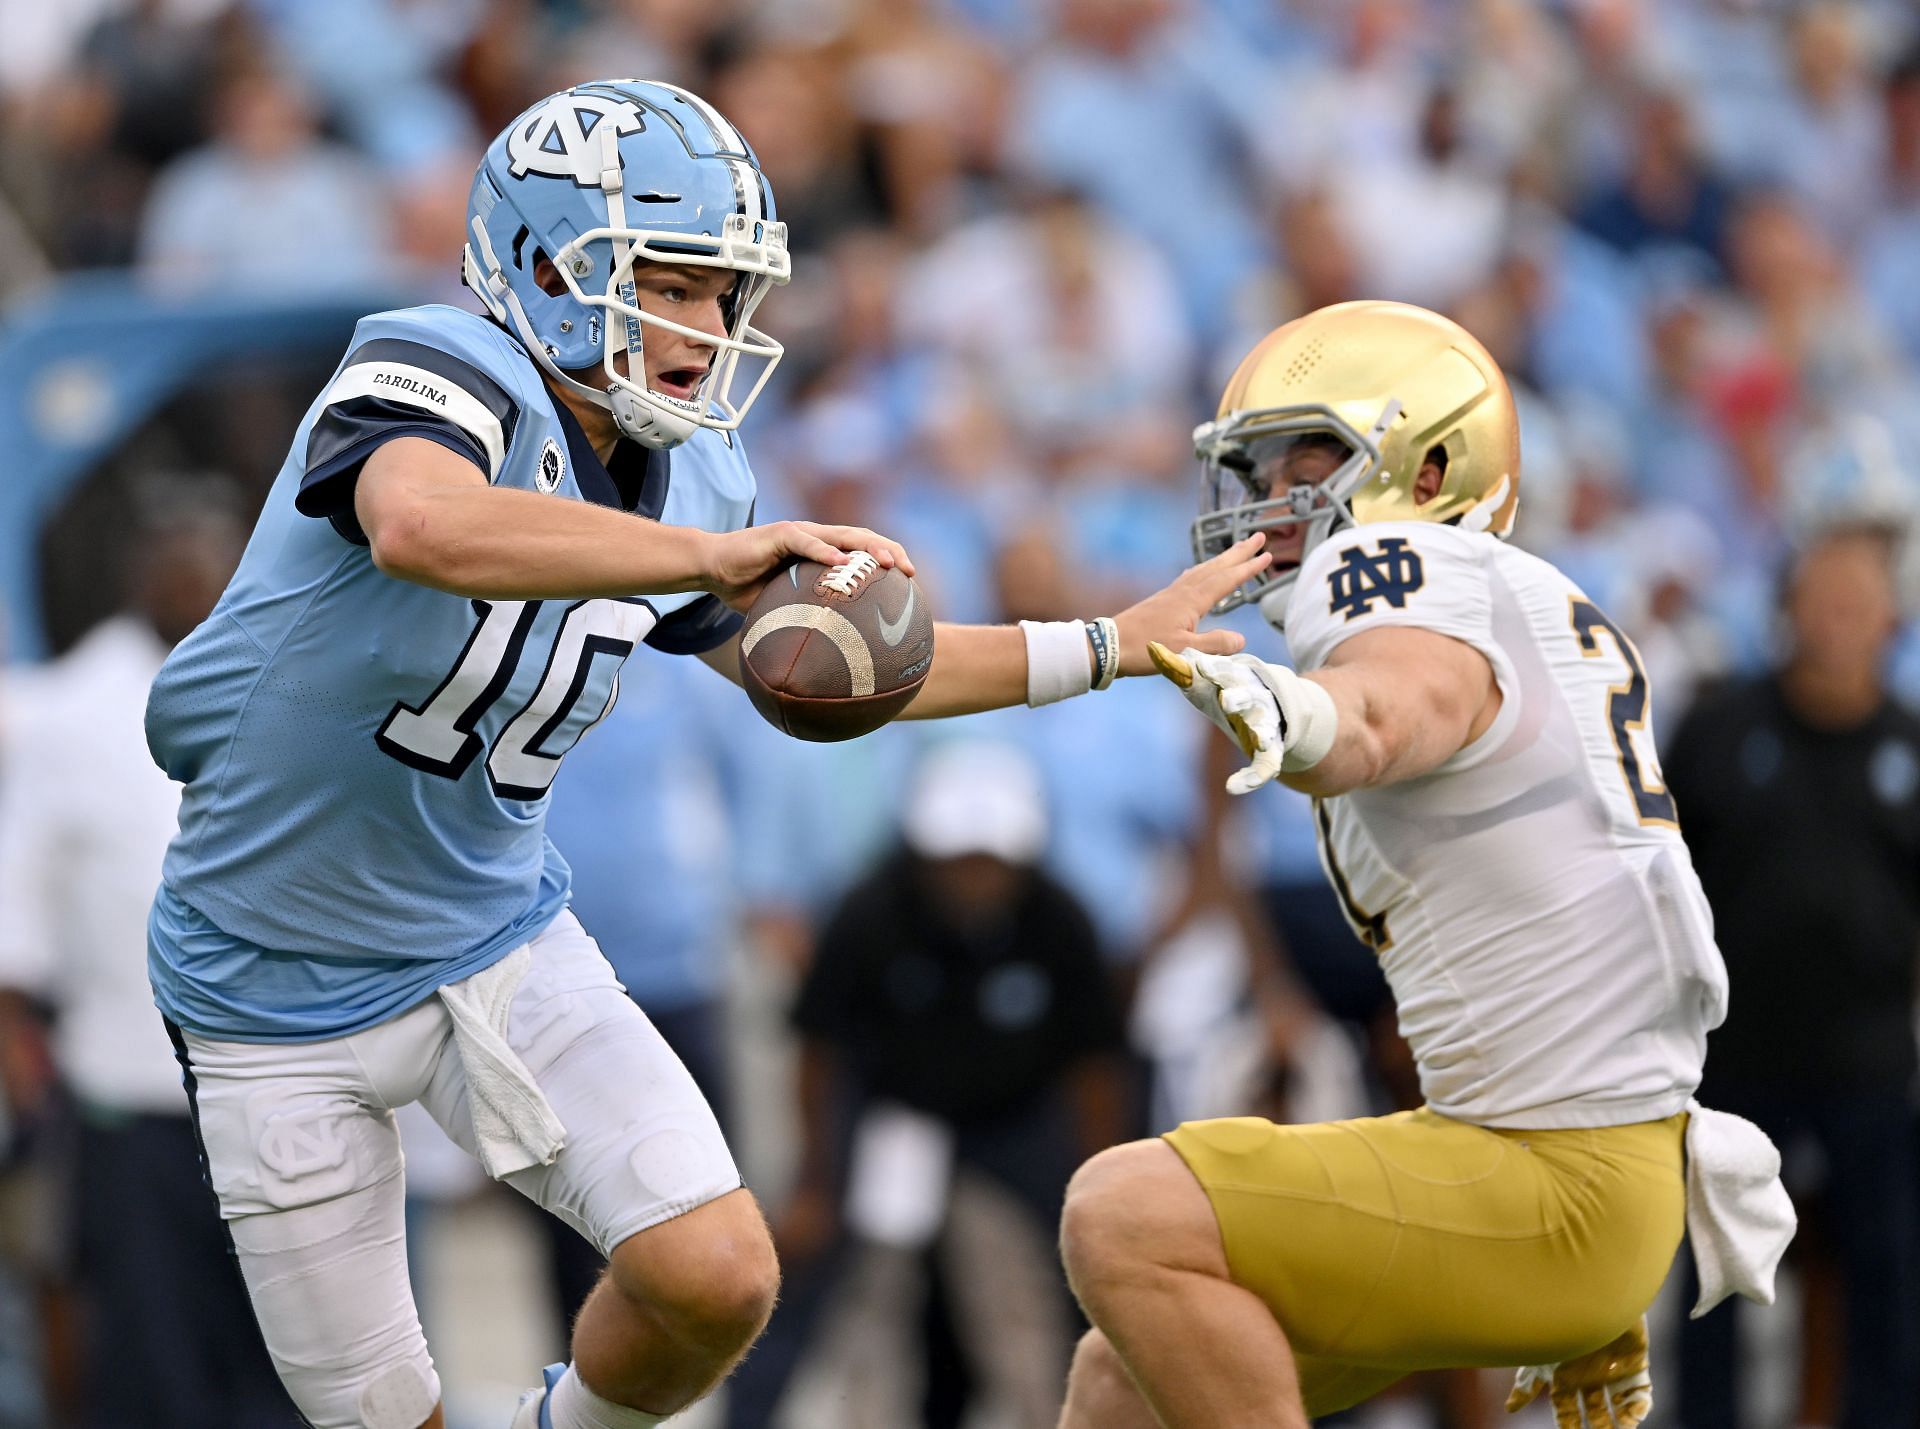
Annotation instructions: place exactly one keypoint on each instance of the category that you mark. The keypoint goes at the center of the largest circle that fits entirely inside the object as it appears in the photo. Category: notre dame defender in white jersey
(1475, 734)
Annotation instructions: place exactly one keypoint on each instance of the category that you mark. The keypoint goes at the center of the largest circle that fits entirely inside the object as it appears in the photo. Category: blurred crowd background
(925, 973)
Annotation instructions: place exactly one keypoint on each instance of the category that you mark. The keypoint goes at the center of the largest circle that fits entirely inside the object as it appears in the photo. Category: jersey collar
(643, 473)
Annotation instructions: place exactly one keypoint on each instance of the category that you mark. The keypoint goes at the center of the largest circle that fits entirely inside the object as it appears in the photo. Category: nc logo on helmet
(557, 138)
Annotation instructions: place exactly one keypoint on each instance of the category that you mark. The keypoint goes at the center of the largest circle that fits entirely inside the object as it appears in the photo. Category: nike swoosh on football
(895, 630)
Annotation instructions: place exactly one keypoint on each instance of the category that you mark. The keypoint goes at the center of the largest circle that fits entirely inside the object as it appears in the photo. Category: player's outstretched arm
(985, 667)
(1408, 700)
(1390, 704)
(430, 517)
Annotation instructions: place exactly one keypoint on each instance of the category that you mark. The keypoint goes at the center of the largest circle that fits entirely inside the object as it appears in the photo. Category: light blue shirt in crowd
(644, 819)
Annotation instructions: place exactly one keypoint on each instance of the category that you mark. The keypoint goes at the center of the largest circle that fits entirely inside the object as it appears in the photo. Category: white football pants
(305, 1159)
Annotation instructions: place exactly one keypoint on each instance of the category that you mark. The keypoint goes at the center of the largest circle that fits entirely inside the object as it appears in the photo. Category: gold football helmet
(1377, 390)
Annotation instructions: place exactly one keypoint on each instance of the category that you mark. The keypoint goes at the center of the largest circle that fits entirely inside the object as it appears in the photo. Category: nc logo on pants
(297, 1144)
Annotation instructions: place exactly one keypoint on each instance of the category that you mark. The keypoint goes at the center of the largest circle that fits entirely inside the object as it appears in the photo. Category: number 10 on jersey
(438, 736)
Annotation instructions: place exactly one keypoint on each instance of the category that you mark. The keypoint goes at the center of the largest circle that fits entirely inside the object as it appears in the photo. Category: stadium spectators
(267, 205)
(1800, 793)
(1890, 254)
(1115, 107)
(167, 1337)
(956, 1009)
(1666, 197)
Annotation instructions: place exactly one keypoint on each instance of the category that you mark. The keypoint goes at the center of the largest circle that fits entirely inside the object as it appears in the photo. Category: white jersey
(1531, 902)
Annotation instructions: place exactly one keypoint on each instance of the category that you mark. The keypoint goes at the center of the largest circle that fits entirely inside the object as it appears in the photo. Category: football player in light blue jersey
(479, 518)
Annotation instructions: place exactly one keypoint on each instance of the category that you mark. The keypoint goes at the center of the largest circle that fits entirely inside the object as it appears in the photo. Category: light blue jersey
(367, 760)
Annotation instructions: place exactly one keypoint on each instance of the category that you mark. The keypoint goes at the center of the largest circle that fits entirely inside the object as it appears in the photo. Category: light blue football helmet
(601, 176)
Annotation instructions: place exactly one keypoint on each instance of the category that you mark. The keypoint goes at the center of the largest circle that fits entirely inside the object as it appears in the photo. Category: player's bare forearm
(1375, 745)
(500, 544)
(984, 667)
(1408, 701)
(431, 518)
(975, 668)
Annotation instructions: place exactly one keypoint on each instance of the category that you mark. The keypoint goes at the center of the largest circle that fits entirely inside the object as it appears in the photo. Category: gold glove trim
(1180, 670)
(1171, 665)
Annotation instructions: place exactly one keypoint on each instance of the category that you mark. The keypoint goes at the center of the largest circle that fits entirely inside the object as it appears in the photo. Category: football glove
(1608, 1389)
(1282, 723)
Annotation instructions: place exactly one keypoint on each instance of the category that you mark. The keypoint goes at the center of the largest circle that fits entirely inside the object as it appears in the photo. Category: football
(834, 652)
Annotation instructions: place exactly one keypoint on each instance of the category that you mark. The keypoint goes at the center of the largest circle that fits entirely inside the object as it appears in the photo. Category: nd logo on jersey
(1391, 573)
(557, 138)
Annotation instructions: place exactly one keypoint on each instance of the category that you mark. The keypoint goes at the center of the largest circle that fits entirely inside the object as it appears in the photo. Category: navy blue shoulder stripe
(389, 387)
(349, 432)
(461, 373)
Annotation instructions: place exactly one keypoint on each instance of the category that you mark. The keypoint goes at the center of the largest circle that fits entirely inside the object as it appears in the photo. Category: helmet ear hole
(546, 275)
(1431, 476)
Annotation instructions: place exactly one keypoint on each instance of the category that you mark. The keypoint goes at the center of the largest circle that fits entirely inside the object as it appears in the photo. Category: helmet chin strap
(645, 422)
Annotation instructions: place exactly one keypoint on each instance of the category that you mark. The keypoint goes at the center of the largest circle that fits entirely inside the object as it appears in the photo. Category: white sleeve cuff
(1058, 667)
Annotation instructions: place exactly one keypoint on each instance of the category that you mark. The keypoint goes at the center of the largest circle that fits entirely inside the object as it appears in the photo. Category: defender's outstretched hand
(1281, 722)
(742, 562)
(1204, 687)
(1171, 613)
(1608, 1389)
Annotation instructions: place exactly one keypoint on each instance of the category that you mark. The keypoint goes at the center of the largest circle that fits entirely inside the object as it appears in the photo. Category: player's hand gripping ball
(834, 652)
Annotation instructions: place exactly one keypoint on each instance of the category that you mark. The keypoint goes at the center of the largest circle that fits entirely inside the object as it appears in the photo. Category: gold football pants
(1391, 1244)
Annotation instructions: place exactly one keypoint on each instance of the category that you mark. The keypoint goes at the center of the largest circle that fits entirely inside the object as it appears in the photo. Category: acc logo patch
(1392, 572)
(556, 139)
(552, 467)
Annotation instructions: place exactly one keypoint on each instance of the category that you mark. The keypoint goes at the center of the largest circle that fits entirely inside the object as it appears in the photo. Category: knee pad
(330, 1289)
(400, 1396)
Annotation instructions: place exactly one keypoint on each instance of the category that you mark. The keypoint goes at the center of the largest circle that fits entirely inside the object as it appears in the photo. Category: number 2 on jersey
(438, 737)
(1627, 712)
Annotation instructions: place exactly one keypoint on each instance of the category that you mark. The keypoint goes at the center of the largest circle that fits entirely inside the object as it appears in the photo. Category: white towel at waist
(1739, 1216)
(513, 1124)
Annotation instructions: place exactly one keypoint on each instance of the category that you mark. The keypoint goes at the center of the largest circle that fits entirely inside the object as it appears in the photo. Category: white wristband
(1314, 721)
(1058, 664)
